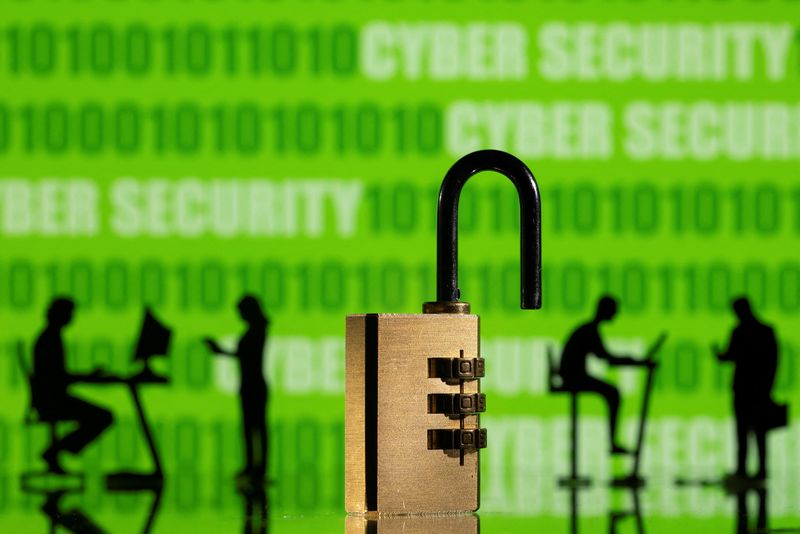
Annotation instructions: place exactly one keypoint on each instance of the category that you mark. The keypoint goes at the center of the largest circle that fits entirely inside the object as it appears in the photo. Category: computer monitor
(154, 339)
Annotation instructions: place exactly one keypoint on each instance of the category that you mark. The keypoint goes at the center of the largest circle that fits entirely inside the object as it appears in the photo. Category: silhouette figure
(50, 382)
(754, 351)
(32, 417)
(585, 340)
(253, 387)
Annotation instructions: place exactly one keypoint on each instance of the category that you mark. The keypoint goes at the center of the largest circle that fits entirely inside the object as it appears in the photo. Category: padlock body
(390, 467)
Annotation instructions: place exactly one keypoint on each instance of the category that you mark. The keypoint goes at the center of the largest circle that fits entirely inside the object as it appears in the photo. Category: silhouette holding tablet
(753, 349)
(585, 341)
(50, 382)
(253, 386)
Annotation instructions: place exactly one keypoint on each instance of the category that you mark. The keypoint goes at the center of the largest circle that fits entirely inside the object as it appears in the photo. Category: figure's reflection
(741, 489)
(615, 517)
(70, 518)
(409, 524)
(256, 516)
(742, 512)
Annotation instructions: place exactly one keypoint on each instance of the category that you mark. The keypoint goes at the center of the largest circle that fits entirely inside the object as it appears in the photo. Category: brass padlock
(412, 394)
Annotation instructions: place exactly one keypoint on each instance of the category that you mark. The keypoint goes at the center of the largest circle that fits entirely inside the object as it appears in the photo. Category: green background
(674, 237)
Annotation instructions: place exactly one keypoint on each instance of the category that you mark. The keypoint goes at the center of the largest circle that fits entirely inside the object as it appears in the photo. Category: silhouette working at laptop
(49, 389)
(585, 340)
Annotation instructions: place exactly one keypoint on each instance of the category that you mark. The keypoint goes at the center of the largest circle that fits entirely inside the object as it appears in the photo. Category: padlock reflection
(414, 524)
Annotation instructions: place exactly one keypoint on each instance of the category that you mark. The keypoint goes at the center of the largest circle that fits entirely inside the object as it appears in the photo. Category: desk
(128, 480)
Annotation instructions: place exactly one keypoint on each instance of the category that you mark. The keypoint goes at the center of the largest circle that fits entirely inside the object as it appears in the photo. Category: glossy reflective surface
(194, 504)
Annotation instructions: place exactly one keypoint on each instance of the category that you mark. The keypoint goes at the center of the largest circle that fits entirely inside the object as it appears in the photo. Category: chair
(556, 385)
(33, 417)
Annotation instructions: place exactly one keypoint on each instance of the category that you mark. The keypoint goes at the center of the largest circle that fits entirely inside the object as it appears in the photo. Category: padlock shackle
(529, 224)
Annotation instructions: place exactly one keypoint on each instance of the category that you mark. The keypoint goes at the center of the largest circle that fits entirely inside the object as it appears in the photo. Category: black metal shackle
(447, 291)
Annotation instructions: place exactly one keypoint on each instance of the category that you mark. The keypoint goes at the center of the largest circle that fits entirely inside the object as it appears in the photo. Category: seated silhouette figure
(586, 340)
(753, 349)
(50, 383)
(253, 386)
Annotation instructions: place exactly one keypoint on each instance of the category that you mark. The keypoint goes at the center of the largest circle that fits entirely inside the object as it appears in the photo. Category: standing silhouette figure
(253, 386)
(586, 340)
(753, 349)
(49, 389)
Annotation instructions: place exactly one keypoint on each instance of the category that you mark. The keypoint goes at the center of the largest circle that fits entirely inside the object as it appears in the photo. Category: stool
(556, 385)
